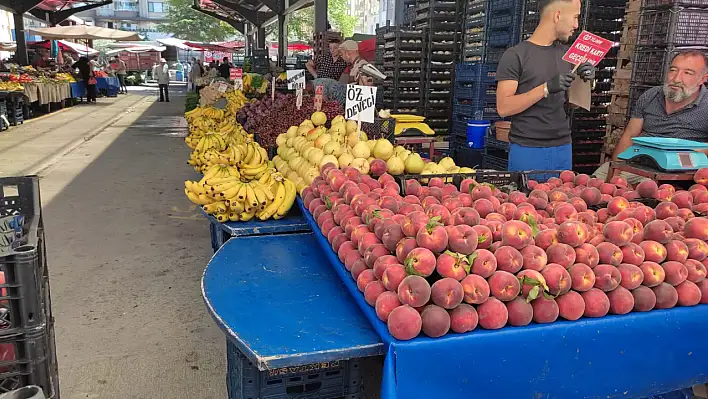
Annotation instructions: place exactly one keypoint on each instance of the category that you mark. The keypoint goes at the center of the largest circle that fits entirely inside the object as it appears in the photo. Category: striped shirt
(689, 123)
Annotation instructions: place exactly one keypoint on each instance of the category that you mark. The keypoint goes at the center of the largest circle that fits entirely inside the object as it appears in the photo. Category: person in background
(41, 59)
(196, 73)
(532, 83)
(119, 67)
(329, 65)
(89, 80)
(163, 80)
(93, 62)
(224, 68)
(350, 54)
(68, 59)
(678, 109)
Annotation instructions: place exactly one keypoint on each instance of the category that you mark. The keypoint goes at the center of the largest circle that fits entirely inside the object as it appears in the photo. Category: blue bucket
(476, 130)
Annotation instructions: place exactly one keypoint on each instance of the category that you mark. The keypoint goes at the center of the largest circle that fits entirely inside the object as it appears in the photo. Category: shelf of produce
(277, 299)
(553, 360)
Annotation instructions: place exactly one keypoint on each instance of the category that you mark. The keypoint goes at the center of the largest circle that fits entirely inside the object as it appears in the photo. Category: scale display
(666, 154)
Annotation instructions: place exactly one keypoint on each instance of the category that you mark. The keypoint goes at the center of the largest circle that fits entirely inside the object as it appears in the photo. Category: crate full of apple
(447, 259)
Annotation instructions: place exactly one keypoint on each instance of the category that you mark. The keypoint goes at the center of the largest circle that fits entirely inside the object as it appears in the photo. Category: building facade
(140, 16)
(370, 13)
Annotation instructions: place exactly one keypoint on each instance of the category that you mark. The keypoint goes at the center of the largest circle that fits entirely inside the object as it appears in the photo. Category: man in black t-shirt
(224, 69)
(532, 83)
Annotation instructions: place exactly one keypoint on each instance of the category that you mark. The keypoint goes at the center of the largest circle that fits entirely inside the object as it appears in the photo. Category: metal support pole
(21, 51)
(261, 38)
(320, 16)
(282, 39)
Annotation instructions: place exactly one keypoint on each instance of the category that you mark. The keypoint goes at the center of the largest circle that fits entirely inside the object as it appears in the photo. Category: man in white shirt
(162, 75)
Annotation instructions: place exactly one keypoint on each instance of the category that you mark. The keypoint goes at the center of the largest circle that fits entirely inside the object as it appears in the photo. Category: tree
(339, 17)
(189, 24)
(301, 25)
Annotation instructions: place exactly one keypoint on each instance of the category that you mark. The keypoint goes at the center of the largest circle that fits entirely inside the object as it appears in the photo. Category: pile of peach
(443, 259)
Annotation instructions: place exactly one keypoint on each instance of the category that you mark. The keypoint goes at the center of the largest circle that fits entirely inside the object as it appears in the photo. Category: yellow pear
(292, 131)
(322, 140)
(361, 164)
(302, 130)
(351, 126)
(308, 123)
(383, 149)
(281, 139)
(338, 128)
(447, 163)
(328, 159)
(355, 137)
(361, 150)
(338, 119)
(319, 118)
(345, 159)
(395, 166)
(414, 163)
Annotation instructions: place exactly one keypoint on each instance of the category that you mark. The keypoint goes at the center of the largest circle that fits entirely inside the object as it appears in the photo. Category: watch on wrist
(545, 90)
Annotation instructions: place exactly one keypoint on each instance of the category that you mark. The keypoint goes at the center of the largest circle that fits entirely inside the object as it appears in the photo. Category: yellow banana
(290, 194)
(236, 206)
(246, 216)
(241, 195)
(220, 188)
(213, 207)
(270, 210)
(233, 191)
(222, 217)
(233, 216)
(215, 181)
(260, 194)
(251, 196)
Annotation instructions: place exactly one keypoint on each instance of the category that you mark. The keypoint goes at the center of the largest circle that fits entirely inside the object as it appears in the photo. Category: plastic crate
(504, 5)
(502, 38)
(338, 379)
(29, 358)
(671, 3)
(494, 55)
(682, 27)
(493, 162)
(465, 156)
(505, 181)
(650, 65)
(470, 72)
(503, 21)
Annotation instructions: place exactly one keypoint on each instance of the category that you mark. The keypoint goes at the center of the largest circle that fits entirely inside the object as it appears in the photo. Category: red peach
(483, 206)
(587, 217)
(617, 205)
(562, 254)
(582, 277)
(484, 236)
(587, 254)
(644, 214)
(607, 277)
(591, 195)
(609, 253)
(602, 215)
(509, 259)
(373, 253)
(483, 262)
(581, 179)
(666, 296)
(364, 279)
(703, 286)
(675, 272)
(429, 201)
(658, 230)
(683, 199)
(516, 234)
(356, 232)
(464, 215)
(701, 176)
(447, 293)
(631, 276)
(440, 212)
(567, 176)
(420, 262)
(372, 292)
(476, 289)
(607, 188)
(532, 283)
(533, 258)
(697, 249)
(463, 319)
(621, 301)
(644, 299)
(492, 314)
(676, 251)
(596, 303)
(632, 254)
(404, 323)
(653, 273)
(677, 224)
(619, 182)
(696, 228)
(393, 276)
(688, 294)
(571, 306)
(618, 232)
(545, 310)
(344, 250)
(358, 267)
(350, 258)
(557, 196)
(366, 241)
(579, 204)
(520, 312)
(546, 238)
(452, 265)
(414, 291)
(504, 286)
(696, 270)
(666, 210)
(462, 239)
(391, 236)
(433, 237)
(404, 247)
(436, 321)
(653, 251)
(413, 222)
(647, 188)
(572, 233)
(382, 263)
(564, 212)
(557, 279)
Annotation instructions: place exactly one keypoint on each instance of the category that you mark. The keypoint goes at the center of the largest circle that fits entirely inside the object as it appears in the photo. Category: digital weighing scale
(666, 154)
(411, 125)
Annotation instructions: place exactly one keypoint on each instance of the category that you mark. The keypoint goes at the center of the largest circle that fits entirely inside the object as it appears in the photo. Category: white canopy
(79, 48)
(137, 49)
(83, 32)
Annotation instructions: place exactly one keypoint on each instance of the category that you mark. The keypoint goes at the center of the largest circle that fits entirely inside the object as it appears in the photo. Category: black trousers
(164, 93)
(90, 92)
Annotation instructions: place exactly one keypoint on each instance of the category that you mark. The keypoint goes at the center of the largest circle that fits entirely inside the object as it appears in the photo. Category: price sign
(319, 90)
(221, 87)
(236, 75)
(298, 97)
(588, 48)
(296, 79)
(361, 103)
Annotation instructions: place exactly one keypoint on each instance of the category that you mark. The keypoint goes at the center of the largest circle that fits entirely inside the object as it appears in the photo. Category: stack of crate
(617, 111)
(441, 19)
(403, 66)
(473, 33)
(666, 27)
(588, 128)
(28, 354)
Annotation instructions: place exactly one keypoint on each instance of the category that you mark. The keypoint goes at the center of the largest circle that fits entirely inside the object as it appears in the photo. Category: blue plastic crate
(467, 90)
(328, 380)
(469, 72)
(494, 55)
(502, 38)
(466, 109)
(503, 21)
(495, 6)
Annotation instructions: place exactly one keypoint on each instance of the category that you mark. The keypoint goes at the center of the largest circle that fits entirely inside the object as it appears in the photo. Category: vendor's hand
(560, 83)
(586, 71)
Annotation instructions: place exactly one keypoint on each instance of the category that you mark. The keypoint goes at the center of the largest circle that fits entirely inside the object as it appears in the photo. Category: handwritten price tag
(319, 90)
(296, 79)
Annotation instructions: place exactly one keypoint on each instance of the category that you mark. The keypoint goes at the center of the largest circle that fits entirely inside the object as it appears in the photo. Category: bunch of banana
(211, 140)
(191, 115)
(213, 113)
(215, 177)
(235, 99)
(255, 161)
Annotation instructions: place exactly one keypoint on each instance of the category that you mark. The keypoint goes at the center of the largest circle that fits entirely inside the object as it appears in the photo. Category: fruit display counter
(470, 292)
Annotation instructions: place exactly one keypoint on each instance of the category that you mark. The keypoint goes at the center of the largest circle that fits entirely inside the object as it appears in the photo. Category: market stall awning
(137, 49)
(65, 45)
(209, 47)
(83, 32)
(296, 46)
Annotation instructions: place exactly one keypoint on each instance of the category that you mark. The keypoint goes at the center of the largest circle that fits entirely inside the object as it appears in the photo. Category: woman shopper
(86, 72)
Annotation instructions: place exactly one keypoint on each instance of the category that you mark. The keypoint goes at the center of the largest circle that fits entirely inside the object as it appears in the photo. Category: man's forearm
(519, 103)
(312, 69)
(624, 143)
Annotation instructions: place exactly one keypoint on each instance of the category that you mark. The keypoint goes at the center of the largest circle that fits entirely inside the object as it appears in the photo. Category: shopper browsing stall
(677, 109)
(119, 67)
(86, 73)
(329, 65)
(533, 81)
(162, 74)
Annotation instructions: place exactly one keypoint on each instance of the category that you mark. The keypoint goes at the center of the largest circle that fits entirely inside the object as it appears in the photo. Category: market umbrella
(83, 32)
(65, 46)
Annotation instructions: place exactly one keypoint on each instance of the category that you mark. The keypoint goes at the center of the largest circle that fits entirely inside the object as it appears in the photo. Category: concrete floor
(126, 250)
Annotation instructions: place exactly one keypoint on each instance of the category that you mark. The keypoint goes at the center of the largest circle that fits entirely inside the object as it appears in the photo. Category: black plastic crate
(337, 379)
(669, 27)
(652, 64)
(29, 358)
(503, 21)
(671, 3)
(492, 143)
(465, 156)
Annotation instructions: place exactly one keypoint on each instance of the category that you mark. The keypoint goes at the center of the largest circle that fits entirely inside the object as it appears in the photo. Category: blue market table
(631, 356)
(278, 300)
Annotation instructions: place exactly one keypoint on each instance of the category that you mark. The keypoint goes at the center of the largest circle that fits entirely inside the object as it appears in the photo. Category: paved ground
(126, 250)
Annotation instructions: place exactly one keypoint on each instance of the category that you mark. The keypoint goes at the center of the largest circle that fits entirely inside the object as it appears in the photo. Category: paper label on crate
(361, 103)
(588, 47)
(236, 75)
(296, 79)
(319, 91)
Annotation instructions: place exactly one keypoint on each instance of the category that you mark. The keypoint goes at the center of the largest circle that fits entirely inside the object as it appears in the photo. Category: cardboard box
(700, 391)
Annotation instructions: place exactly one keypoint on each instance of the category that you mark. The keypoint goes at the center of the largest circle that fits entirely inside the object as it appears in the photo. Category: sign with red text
(236, 76)
(319, 90)
(588, 47)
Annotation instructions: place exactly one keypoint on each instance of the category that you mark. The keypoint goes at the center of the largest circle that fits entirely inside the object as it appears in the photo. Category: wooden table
(648, 172)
